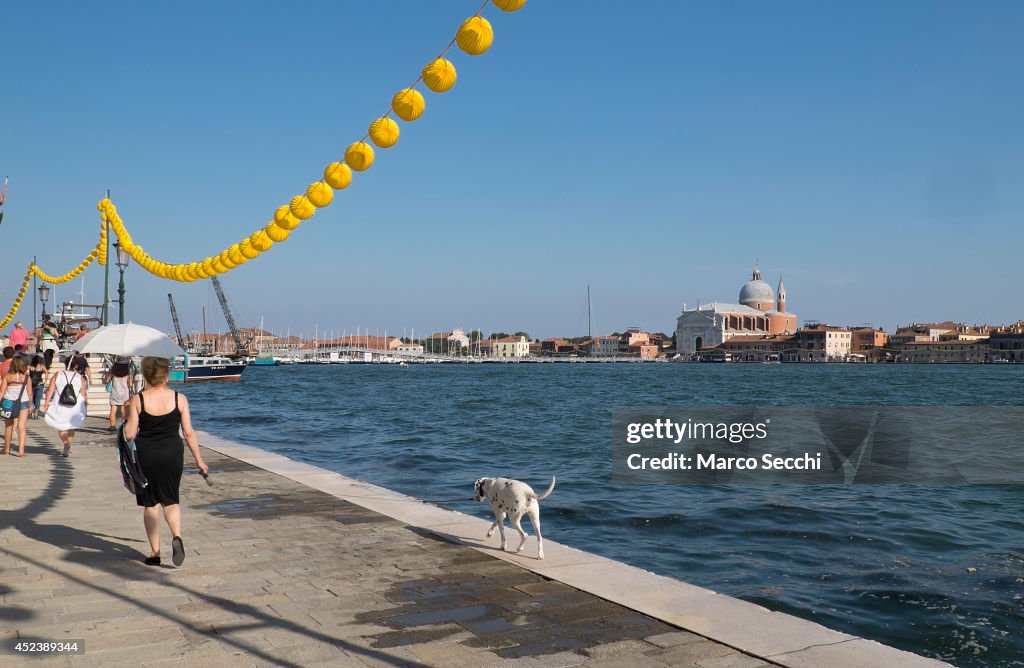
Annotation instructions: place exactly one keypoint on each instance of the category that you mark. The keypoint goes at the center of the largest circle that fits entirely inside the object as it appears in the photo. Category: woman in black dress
(155, 417)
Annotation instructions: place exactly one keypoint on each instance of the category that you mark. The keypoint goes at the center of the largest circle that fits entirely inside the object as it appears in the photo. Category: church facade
(760, 311)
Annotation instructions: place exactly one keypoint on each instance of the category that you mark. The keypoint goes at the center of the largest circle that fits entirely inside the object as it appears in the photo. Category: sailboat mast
(590, 334)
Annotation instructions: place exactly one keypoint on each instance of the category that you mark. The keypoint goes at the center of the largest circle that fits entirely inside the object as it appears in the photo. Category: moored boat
(208, 368)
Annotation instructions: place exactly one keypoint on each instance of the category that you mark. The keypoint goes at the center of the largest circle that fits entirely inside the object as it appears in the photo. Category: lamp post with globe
(44, 295)
(122, 264)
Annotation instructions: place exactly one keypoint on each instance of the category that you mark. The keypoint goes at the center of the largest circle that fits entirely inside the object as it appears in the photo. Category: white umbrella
(128, 340)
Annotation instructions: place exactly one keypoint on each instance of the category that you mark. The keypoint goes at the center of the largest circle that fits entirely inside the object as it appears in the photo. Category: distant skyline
(870, 153)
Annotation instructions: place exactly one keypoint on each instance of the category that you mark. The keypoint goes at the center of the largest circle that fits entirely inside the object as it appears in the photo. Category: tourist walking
(16, 387)
(37, 371)
(155, 417)
(65, 412)
(47, 337)
(19, 337)
(116, 379)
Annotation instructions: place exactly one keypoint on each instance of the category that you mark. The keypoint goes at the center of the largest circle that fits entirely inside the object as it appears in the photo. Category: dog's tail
(546, 494)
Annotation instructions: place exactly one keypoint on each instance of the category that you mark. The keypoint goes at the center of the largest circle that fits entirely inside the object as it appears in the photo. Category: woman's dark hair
(37, 360)
(18, 365)
(120, 369)
(48, 357)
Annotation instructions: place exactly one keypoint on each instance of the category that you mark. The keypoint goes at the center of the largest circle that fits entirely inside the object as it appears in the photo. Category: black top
(154, 427)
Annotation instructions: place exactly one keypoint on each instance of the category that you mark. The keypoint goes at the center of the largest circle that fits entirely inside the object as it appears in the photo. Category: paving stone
(620, 648)
(673, 638)
(691, 652)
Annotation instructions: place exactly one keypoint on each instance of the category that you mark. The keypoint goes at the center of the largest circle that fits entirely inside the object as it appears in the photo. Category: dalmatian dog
(512, 499)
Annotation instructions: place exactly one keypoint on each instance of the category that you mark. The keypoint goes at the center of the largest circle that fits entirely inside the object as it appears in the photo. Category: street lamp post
(122, 264)
(44, 295)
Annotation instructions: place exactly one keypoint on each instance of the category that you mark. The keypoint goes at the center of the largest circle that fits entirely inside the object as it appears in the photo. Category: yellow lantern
(359, 156)
(283, 217)
(319, 194)
(337, 175)
(246, 249)
(277, 234)
(439, 75)
(225, 258)
(509, 5)
(384, 132)
(408, 104)
(301, 207)
(236, 255)
(260, 241)
(475, 35)
(218, 266)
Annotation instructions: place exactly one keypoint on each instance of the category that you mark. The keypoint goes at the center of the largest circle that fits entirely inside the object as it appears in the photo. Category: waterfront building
(556, 346)
(948, 351)
(447, 343)
(1007, 343)
(967, 333)
(757, 348)
(510, 346)
(282, 346)
(603, 346)
(361, 341)
(864, 339)
(412, 349)
(633, 337)
(822, 343)
(916, 332)
(760, 312)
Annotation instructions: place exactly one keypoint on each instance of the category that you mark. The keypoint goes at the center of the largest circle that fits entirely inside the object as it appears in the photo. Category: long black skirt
(162, 461)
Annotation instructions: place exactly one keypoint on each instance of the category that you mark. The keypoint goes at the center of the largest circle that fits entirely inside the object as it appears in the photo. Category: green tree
(523, 334)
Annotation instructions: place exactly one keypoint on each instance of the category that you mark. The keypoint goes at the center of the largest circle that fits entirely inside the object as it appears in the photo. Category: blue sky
(869, 152)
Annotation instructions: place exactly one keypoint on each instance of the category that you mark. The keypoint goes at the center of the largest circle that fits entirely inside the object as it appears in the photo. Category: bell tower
(781, 300)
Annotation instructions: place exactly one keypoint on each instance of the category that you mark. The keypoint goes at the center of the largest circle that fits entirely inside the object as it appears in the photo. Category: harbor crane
(177, 325)
(241, 347)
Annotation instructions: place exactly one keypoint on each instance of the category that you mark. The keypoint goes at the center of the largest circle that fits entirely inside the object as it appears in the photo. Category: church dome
(755, 291)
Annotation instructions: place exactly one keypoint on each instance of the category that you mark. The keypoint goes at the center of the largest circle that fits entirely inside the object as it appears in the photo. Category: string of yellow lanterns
(474, 37)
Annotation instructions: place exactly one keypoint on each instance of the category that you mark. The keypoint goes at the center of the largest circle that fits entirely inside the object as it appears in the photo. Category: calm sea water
(887, 562)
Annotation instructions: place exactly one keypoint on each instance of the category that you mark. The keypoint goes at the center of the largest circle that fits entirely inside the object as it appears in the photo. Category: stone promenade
(291, 565)
(279, 574)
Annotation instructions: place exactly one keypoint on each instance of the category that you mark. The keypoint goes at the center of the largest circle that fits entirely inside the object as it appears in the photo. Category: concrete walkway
(279, 573)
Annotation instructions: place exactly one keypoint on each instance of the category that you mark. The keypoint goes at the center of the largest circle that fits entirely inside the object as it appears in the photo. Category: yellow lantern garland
(474, 36)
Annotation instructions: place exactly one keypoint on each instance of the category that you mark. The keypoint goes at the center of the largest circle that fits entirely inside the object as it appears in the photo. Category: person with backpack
(66, 401)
